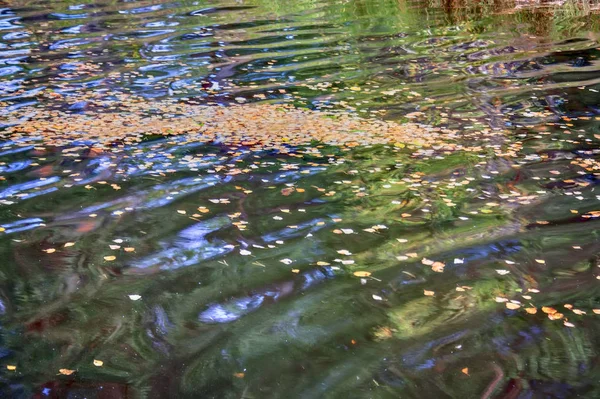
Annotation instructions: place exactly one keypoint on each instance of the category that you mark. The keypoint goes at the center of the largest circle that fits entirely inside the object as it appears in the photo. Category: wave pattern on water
(171, 267)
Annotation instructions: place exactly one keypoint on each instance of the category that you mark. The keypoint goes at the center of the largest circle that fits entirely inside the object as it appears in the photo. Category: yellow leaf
(438, 267)
(66, 371)
(512, 306)
(428, 293)
(11, 367)
(98, 363)
(362, 274)
(548, 310)
(465, 371)
(110, 258)
(555, 316)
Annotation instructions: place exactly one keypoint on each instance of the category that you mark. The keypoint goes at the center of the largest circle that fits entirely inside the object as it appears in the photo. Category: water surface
(169, 268)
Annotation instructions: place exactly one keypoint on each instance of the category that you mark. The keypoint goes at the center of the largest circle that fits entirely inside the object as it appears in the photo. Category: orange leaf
(548, 310)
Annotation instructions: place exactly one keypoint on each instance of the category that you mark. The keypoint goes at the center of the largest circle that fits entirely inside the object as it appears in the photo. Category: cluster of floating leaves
(129, 120)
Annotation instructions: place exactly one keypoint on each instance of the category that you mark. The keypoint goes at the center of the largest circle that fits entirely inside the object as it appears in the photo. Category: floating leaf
(548, 310)
(438, 267)
(555, 316)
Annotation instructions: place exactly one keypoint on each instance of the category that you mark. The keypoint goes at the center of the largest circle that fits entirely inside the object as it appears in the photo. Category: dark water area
(169, 268)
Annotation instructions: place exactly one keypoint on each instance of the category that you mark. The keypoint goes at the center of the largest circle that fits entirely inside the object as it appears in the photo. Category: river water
(172, 268)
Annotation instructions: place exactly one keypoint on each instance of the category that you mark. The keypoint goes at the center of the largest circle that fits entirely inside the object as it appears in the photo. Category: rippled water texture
(174, 268)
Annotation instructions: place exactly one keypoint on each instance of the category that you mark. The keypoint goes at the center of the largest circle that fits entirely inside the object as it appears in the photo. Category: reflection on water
(172, 268)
